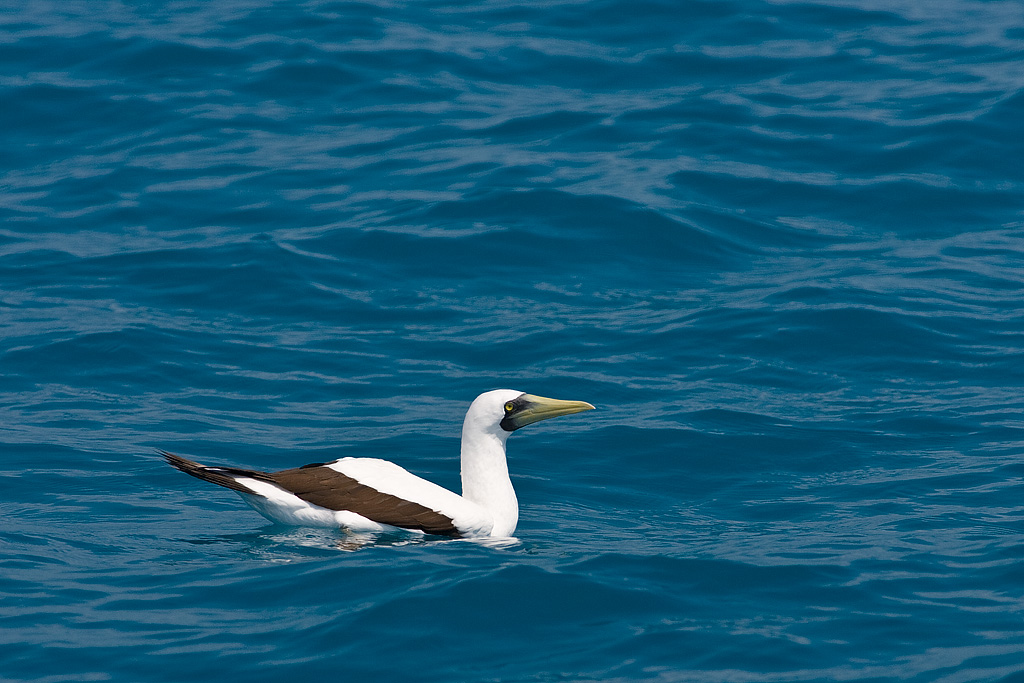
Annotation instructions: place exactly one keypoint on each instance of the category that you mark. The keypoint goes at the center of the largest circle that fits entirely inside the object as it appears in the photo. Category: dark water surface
(778, 244)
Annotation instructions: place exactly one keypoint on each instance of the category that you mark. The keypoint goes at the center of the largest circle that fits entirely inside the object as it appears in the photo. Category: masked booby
(369, 494)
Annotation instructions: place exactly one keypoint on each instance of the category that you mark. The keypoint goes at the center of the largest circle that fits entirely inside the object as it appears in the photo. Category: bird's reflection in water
(277, 543)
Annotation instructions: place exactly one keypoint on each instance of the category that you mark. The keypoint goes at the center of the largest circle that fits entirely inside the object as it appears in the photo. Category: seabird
(369, 494)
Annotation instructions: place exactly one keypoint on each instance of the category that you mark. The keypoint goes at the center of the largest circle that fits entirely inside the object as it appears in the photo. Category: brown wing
(330, 489)
(335, 491)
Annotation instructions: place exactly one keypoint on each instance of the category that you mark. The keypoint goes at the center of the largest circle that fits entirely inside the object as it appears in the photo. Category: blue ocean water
(778, 244)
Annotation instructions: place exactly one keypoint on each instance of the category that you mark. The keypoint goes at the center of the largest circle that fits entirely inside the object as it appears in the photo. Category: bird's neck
(485, 479)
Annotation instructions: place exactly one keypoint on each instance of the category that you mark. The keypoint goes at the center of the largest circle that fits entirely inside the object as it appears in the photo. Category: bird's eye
(509, 407)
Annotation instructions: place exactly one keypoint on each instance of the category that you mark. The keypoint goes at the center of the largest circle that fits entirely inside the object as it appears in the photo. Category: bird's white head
(503, 411)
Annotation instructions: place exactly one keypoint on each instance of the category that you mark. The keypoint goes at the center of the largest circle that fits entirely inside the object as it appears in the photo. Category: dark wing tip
(184, 464)
(222, 476)
(172, 459)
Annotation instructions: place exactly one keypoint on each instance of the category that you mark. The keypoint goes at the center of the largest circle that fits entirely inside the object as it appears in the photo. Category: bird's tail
(222, 476)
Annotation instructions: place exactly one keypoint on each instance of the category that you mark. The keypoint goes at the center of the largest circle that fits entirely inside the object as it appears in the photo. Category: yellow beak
(537, 408)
